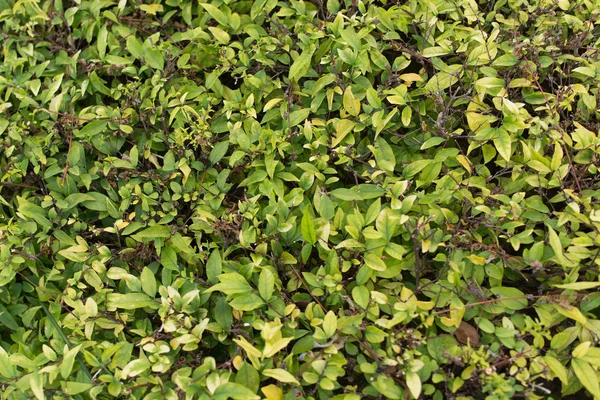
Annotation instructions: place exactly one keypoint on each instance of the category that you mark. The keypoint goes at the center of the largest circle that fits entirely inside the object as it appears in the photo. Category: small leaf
(134, 46)
(168, 258)
(406, 116)
(301, 64)
(272, 392)
(351, 105)
(342, 129)
(36, 383)
(384, 156)
(330, 324)
(216, 14)
(307, 227)
(218, 151)
(503, 143)
(587, 376)
(374, 262)
(231, 283)
(155, 59)
(346, 194)
(557, 368)
(248, 377)
(234, 391)
(578, 285)
(148, 282)
(281, 375)
(92, 129)
(360, 294)
(66, 367)
(515, 299)
(153, 232)
(266, 284)
(214, 266)
(435, 51)
(555, 242)
(414, 384)
(102, 41)
(136, 367)
(246, 302)
(130, 301)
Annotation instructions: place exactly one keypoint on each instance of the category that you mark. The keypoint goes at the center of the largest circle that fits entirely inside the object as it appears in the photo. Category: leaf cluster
(325, 199)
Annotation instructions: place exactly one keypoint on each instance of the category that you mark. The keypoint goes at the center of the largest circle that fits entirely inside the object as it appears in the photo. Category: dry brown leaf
(466, 333)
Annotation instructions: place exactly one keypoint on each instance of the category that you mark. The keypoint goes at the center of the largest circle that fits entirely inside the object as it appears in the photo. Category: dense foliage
(326, 199)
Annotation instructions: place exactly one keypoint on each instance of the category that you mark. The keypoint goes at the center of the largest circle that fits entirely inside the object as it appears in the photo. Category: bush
(318, 199)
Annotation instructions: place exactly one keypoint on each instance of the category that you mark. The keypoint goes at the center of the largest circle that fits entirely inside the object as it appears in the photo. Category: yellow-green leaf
(351, 105)
(342, 129)
(281, 375)
(307, 227)
(587, 376)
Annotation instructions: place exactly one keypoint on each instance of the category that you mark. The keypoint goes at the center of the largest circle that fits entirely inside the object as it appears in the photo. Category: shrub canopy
(327, 199)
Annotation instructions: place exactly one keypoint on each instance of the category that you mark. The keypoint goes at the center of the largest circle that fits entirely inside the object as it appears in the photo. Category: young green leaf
(301, 64)
(266, 284)
(307, 228)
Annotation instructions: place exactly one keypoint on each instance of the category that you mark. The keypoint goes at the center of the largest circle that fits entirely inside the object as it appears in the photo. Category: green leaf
(231, 283)
(155, 59)
(73, 388)
(266, 284)
(151, 9)
(248, 377)
(246, 302)
(7, 369)
(66, 367)
(136, 367)
(351, 38)
(587, 376)
(130, 301)
(148, 282)
(440, 346)
(503, 143)
(386, 224)
(153, 232)
(102, 41)
(134, 46)
(168, 258)
(557, 368)
(330, 324)
(516, 298)
(216, 14)
(7, 320)
(346, 194)
(351, 105)
(214, 266)
(36, 383)
(234, 391)
(307, 227)
(35, 212)
(374, 262)
(406, 116)
(435, 51)
(384, 156)
(74, 199)
(301, 64)
(578, 285)
(414, 384)
(218, 151)
(360, 294)
(280, 375)
(296, 117)
(342, 129)
(555, 242)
